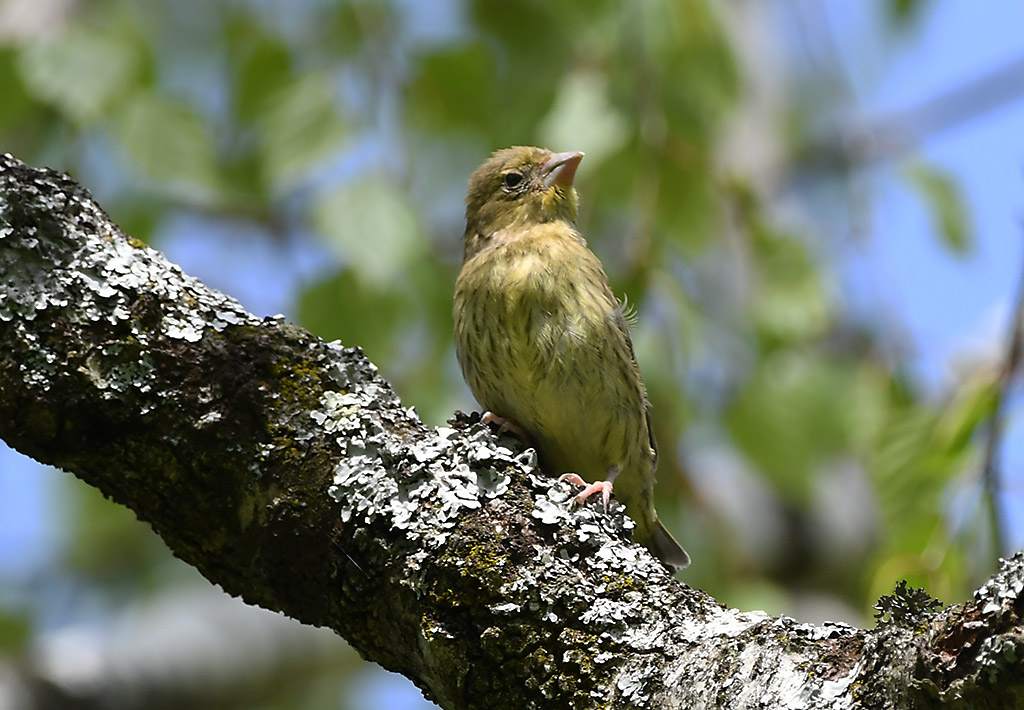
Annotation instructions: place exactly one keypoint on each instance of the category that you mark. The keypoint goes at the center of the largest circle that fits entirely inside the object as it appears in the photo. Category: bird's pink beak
(560, 168)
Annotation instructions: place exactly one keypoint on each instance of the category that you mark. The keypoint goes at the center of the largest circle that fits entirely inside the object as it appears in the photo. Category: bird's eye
(512, 179)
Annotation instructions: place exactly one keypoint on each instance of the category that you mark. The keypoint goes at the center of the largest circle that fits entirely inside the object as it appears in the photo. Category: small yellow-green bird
(543, 343)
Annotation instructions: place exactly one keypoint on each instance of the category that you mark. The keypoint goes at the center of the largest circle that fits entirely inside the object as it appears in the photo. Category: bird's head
(520, 186)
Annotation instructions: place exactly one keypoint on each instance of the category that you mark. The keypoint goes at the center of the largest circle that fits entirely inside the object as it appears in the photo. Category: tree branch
(286, 470)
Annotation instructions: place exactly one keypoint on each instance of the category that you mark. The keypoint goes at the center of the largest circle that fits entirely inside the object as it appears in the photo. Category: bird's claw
(589, 489)
(506, 426)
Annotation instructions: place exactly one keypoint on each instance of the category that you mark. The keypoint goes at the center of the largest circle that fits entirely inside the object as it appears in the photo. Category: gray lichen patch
(999, 595)
(1000, 600)
(79, 270)
(418, 488)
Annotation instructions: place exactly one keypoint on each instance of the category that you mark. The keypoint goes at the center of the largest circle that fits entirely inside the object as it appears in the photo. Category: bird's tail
(666, 549)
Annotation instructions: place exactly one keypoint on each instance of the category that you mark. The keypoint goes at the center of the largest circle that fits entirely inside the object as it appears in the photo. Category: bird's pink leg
(506, 425)
(605, 486)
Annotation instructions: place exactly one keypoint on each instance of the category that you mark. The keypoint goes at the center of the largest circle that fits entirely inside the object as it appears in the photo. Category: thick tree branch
(286, 470)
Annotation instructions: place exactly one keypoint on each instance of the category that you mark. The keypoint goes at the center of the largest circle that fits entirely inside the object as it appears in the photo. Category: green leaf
(167, 140)
(16, 100)
(792, 416)
(403, 326)
(945, 202)
(896, 466)
(904, 13)
(686, 200)
(919, 452)
(347, 308)
(264, 70)
(374, 228)
(789, 301)
(300, 126)
(15, 633)
(522, 26)
(455, 88)
(356, 23)
(109, 544)
(972, 405)
(82, 72)
(699, 82)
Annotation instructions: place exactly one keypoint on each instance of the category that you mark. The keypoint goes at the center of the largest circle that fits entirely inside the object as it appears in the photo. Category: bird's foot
(506, 426)
(589, 489)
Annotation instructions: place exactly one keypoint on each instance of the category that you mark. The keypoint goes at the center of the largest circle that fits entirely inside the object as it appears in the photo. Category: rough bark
(287, 471)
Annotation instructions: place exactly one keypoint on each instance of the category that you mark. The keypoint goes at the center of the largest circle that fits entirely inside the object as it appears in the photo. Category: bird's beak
(560, 168)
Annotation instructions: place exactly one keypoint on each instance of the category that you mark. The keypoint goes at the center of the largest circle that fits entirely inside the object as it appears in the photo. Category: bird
(543, 342)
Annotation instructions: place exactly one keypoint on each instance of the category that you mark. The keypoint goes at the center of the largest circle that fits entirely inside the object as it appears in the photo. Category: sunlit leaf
(373, 228)
(82, 72)
(971, 407)
(869, 407)
(300, 126)
(167, 140)
(918, 454)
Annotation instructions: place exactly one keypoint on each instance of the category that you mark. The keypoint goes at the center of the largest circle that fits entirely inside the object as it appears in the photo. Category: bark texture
(287, 471)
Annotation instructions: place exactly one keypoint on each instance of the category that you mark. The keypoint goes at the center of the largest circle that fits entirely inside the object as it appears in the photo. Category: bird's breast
(534, 318)
(550, 305)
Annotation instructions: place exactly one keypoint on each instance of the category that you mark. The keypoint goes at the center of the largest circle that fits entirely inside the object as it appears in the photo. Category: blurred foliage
(903, 13)
(359, 122)
(944, 200)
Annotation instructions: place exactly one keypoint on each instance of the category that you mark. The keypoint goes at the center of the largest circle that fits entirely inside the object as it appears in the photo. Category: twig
(991, 475)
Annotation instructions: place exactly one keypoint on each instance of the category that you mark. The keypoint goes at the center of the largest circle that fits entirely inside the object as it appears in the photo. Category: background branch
(1008, 371)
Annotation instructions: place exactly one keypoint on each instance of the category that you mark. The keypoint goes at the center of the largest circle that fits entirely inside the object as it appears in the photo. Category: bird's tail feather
(666, 549)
